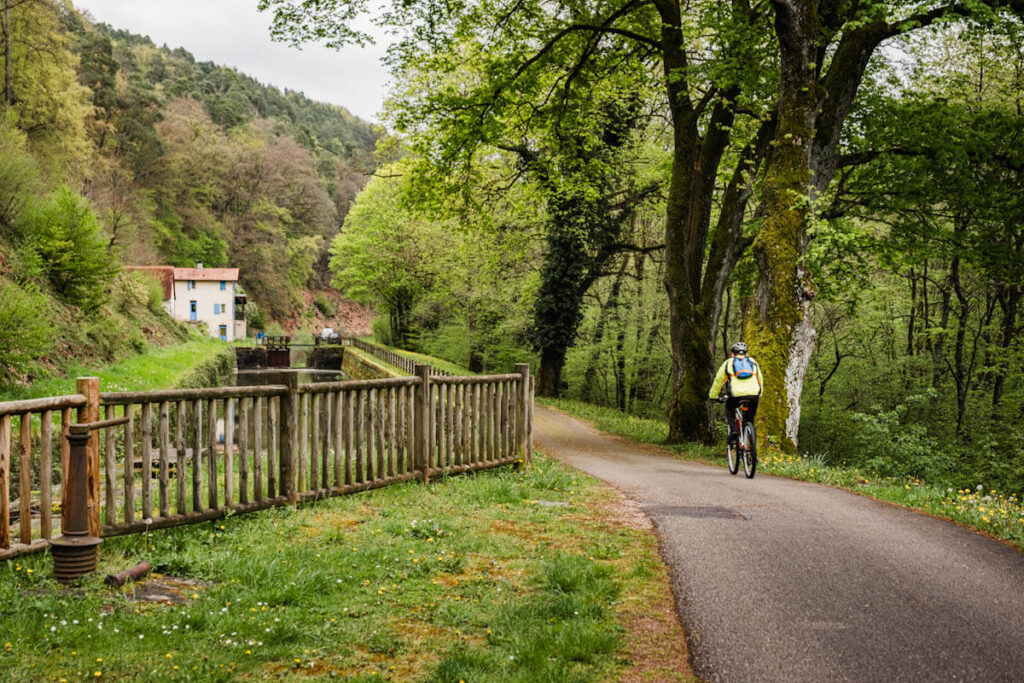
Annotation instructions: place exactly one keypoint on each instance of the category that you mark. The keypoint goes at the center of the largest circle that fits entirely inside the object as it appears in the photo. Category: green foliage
(256, 317)
(64, 236)
(154, 290)
(19, 175)
(49, 105)
(387, 256)
(382, 331)
(26, 329)
(324, 306)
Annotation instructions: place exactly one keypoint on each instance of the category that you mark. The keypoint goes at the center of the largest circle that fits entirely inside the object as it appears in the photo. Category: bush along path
(502, 575)
(785, 580)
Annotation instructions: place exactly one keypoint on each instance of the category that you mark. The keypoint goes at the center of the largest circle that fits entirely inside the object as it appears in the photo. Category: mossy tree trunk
(777, 327)
(812, 109)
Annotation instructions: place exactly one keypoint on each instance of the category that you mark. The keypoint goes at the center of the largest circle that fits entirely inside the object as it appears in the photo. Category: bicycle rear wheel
(733, 456)
(750, 452)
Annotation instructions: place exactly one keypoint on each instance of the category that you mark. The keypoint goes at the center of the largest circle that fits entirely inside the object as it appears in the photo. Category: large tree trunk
(778, 328)
(552, 360)
(557, 310)
(803, 162)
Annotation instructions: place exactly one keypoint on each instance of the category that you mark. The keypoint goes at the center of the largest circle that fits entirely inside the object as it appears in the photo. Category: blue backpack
(742, 367)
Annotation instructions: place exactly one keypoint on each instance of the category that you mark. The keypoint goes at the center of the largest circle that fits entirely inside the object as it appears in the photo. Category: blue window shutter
(223, 285)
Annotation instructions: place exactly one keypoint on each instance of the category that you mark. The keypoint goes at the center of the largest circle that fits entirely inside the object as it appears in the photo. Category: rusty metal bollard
(75, 553)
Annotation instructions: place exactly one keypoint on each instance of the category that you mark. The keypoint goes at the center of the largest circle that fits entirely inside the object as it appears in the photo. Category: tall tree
(825, 48)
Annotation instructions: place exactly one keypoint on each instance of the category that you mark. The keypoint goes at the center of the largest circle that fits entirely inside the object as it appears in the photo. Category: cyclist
(741, 376)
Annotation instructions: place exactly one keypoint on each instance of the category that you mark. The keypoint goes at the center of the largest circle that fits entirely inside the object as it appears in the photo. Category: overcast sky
(233, 33)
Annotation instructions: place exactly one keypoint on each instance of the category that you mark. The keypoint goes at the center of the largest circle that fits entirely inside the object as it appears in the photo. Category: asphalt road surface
(778, 580)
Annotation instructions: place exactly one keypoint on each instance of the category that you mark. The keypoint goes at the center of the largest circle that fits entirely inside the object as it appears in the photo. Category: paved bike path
(779, 580)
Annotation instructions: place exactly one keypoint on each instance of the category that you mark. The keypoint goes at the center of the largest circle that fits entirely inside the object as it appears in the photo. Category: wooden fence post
(90, 412)
(423, 419)
(289, 439)
(525, 421)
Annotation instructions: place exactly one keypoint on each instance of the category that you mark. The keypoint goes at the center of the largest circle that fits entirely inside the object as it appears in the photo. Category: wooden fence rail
(187, 456)
(401, 362)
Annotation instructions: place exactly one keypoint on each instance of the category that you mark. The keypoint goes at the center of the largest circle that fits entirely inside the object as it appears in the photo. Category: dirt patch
(527, 532)
(627, 512)
(655, 642)
(165, 590)
(349, 319)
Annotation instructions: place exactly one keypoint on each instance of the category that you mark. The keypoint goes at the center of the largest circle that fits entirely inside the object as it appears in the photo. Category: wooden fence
(407, 365)
(187, 456)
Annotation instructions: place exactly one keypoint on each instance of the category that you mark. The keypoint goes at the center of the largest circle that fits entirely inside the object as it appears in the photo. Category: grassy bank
(530, 576)
(164, 367)
(999, 515)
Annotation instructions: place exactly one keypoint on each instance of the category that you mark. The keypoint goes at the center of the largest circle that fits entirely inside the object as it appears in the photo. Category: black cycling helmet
(739, 347)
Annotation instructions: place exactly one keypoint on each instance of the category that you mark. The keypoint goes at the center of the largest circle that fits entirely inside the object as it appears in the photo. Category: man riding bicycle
(741, 376)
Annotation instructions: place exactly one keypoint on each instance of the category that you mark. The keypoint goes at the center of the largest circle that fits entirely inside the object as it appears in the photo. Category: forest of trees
(114, 151)
(622, 189)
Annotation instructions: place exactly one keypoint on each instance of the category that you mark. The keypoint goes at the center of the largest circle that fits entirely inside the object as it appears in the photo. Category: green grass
(469, 578)
(371, 360)
(159, 368)
(996, 514)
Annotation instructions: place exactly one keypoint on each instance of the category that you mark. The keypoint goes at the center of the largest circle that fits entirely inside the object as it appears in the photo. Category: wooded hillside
(114, 151)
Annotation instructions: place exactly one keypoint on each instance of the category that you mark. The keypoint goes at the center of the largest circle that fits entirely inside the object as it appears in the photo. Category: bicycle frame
(741, 409)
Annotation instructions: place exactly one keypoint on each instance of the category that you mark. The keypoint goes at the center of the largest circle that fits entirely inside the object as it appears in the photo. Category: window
(223, 285)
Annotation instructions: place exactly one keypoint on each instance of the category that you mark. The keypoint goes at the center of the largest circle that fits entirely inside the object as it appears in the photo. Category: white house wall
(206, 293)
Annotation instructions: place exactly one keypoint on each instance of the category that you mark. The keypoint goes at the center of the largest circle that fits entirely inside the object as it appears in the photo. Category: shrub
(26, 332)
(63, 231)
(895, 447)
(381, 327)
(256, 317)
(324, 306)
(154, 291)
(128, 293)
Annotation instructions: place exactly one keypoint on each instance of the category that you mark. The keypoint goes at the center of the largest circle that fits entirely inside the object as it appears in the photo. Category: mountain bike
(745, 448)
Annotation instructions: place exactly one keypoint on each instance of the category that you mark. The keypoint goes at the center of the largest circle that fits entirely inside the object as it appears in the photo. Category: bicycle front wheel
(733, 456)
(750, 452)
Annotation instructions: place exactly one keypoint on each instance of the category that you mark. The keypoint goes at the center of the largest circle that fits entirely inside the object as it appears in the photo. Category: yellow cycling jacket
(751, 386)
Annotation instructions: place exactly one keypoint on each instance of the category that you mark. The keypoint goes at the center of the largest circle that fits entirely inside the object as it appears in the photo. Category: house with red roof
(203, 295)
